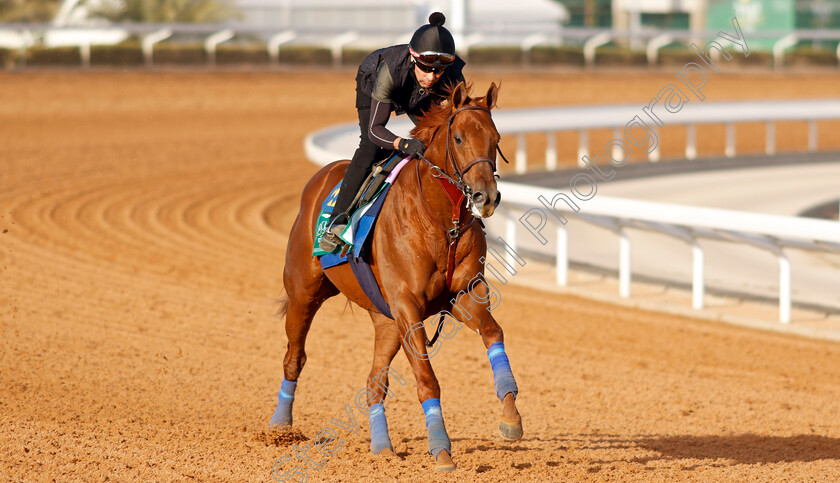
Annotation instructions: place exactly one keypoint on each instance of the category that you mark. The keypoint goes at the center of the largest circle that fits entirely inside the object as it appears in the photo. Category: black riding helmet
(432, 44)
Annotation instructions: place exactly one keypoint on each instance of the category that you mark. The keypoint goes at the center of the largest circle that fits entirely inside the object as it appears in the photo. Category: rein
(456, 190)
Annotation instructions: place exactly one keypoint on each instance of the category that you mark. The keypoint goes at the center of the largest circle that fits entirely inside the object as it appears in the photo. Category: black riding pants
(365, 156)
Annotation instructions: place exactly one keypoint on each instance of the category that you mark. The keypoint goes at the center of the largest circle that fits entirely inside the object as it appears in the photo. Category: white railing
(524, 36)
(323, 145)
(524, 211)
(690, 224)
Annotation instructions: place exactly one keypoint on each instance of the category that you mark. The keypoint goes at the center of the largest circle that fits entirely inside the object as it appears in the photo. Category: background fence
(534, 43)
(529, 209)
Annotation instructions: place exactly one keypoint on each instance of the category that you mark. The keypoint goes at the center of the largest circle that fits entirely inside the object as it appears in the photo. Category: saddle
(374, 181)
(370, 200)
(362, 215)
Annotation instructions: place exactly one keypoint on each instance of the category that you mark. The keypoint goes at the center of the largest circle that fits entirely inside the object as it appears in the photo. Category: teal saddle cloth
(356, 235)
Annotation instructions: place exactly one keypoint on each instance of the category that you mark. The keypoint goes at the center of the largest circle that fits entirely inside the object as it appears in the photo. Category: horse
(427, 247)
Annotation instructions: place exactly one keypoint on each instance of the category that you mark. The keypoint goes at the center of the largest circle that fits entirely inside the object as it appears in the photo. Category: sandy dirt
(143, 222)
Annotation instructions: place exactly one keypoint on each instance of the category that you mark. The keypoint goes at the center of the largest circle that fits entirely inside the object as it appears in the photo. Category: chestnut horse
(426, 250)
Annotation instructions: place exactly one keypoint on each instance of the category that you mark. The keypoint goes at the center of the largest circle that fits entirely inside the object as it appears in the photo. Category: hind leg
(307, 290)
(386, 346)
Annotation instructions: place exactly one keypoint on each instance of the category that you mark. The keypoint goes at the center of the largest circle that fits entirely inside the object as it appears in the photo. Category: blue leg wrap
(438, 439)
(379, 438)
(285, 399)
(502, 375)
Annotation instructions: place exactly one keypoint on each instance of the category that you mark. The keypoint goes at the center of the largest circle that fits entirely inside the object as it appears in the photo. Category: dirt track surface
(143, 220)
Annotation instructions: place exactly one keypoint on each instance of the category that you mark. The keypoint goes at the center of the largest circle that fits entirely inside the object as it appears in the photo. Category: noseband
(458, 179)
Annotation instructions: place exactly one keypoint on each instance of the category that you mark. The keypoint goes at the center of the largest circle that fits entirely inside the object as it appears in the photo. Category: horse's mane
(438, 114)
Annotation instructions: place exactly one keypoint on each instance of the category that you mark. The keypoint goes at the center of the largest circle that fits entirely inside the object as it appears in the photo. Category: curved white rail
(535, 210)
(324, 145)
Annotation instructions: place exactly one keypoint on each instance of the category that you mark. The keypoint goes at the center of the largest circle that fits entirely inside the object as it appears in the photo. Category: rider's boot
(331, 240)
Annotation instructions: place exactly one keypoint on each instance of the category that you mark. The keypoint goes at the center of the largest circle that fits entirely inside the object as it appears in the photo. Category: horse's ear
(459, 95)
(492, 96)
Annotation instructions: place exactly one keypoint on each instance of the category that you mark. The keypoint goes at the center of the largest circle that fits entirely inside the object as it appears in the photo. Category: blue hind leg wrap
(379, 438)
(285, 399)
(438, 439)
(502, 375)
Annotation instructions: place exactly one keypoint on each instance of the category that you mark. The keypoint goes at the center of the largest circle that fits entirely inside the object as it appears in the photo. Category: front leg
(413, 336)
(473, 307)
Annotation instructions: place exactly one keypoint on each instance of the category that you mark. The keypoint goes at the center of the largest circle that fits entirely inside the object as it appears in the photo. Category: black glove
(412, 147)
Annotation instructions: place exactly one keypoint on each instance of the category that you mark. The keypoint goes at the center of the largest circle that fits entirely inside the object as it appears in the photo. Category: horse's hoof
(444, 462)
(511, 431)
(386, 452)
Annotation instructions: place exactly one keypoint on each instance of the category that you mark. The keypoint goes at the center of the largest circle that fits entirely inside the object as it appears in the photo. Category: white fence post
(550, 151)
(276, 41)
(730, 140)
(510, 238)
(528, 43)
(623, 263)
(593, 43)
(812, 136)
(690, 141)
(583, 147)
(697, 285)
(654, 45)
(562, 251)
(214, 40)
(148, 42)
(521, 154)
(337, 45)
(655, 154)
(784, 288)
(84, 53)
(770, 138)
(779, 49)
(469, 41)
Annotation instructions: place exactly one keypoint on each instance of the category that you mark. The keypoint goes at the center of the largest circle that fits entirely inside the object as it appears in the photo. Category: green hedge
(251, 54)
(166, 53)
(126, 54)
(495, 56)
(58, 56)
(300, 55)
(7, 58)
(169, 53)
(614, 55)
(544, 55)
(809, 56)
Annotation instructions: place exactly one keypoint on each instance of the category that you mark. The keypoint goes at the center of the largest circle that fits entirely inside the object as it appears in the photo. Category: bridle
(458, 179)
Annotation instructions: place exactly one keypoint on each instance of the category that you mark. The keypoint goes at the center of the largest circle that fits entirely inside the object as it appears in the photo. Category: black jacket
(407, 95)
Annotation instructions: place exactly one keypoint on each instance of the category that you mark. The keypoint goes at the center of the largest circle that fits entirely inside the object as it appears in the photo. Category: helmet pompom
(437, 19)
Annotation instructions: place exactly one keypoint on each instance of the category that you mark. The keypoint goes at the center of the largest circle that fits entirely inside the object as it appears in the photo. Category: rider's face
(427, 79)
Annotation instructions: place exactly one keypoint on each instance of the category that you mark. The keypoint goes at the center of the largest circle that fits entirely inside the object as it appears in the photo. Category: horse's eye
(457, 138)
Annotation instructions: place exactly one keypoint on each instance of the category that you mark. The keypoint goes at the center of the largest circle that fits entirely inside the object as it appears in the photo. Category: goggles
(432, 59)
(429, 68)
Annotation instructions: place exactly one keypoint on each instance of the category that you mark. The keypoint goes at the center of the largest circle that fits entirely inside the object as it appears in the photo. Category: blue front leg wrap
(285, 399)
(379, 438)
(502, 375)
(438, 439)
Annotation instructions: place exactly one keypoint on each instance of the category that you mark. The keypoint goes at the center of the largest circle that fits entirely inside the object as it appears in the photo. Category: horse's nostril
(479, 198)
(498, 199)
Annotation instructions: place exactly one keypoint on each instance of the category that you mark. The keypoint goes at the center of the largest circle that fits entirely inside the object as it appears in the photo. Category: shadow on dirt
(745, 448)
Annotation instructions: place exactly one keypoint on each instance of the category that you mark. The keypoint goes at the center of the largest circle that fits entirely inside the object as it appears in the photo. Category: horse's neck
(433, 202)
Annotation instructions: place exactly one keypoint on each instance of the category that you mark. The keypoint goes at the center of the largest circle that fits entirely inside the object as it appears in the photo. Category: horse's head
(463, 140)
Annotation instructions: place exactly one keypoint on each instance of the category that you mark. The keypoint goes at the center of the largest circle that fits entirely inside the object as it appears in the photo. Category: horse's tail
(283, 301)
